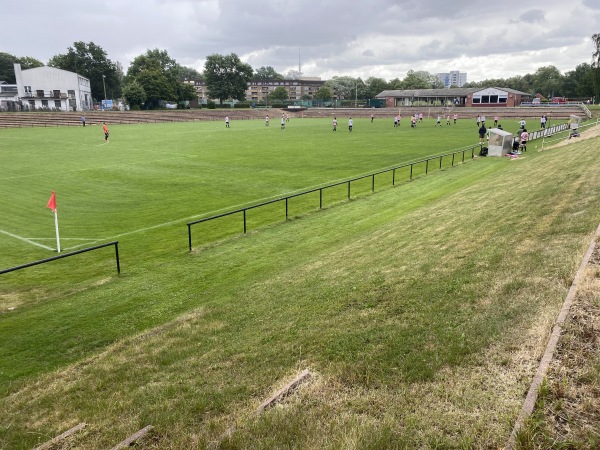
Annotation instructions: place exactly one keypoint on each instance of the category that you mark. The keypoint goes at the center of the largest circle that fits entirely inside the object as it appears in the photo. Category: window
(57, 104)
(44, 103)
(71, 93)
(476, 100)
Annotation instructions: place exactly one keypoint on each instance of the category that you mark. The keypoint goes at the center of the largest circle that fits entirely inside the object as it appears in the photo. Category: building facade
(496, 97)
(8, 97)
(491, 96)
(51, 88)
(258, 90)
(453, 78)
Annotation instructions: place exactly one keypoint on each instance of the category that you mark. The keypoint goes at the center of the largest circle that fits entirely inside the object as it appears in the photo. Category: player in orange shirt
(105, 130)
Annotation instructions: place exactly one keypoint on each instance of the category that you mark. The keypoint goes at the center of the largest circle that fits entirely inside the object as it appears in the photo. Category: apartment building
(453, 78)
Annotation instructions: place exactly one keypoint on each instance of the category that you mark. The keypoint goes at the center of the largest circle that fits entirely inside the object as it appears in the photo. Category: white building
(453, 78)
(52, 88)
(8, 96)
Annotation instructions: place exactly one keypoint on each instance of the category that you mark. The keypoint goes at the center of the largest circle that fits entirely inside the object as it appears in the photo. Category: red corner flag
(52, 202)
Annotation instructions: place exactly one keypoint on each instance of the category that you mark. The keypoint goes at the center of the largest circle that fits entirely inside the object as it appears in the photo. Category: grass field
(152, 175)
(420, 310)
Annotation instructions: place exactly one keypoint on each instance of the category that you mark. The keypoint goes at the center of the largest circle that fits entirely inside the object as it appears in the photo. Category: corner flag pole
(52, 205)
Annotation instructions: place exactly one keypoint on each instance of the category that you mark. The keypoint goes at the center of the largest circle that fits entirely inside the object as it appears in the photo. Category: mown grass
(417, 309)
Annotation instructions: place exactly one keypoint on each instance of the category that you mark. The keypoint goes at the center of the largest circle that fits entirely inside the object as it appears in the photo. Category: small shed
(500, 142)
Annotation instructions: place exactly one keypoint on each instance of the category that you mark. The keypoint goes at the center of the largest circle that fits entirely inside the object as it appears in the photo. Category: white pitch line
(199, 216)
(62, 239)
(26, 240)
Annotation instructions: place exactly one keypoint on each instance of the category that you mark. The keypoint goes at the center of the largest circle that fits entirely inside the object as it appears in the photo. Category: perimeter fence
(66, 255)
(409, 170)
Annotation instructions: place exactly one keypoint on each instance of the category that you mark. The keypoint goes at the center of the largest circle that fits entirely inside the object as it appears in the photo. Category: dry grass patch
(567, 413)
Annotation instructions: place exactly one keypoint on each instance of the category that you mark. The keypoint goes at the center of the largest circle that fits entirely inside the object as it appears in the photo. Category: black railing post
(244, 221)
(453, 159)
(441, 162)
(190, 236)
(393, 177)
(286, 208)
(411, 171)
(463, 156)
(426, 167)
(373, 184)
(321, 198)
(117, 257)
(348, 190)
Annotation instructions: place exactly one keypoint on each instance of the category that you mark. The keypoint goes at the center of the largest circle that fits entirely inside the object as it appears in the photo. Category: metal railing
(54, 258)
(320, 190)
(548, 131)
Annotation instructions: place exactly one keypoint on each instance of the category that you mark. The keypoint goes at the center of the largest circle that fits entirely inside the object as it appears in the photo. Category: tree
(186, 92)
(134, 93)
(159, 74)
(324, 93)
(375, 86)
(91, 61)
(548, 81)
(279, 93)
(226, 77)
(421, 80)
(157, 86)
(342, 87)
(7, 68)
(189, 73)
(267, 73)
(579, 82)
(395, 84)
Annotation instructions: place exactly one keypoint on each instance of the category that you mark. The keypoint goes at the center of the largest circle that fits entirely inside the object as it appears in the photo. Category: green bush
(211, 104)
(243, 105)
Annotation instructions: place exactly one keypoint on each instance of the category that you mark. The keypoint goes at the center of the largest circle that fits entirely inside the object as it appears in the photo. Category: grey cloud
(533, 16)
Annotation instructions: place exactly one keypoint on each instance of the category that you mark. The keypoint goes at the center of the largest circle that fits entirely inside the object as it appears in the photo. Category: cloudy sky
(382, 38)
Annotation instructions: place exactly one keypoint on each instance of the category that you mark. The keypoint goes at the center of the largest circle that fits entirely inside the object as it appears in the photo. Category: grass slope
(420, 310)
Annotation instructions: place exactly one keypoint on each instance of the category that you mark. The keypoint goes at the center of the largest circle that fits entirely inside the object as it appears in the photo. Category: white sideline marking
(62, 239)
(26, 240)
(92, 241)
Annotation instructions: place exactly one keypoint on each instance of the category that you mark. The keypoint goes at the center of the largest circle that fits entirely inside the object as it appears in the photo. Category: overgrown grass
(567, 413)
(417, 309)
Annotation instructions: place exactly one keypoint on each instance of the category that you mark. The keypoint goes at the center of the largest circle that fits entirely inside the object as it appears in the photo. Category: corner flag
(52, 205)
(52, 202)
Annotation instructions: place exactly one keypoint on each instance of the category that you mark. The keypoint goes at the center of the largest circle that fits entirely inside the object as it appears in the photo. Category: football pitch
(420, 310)
(149, 180)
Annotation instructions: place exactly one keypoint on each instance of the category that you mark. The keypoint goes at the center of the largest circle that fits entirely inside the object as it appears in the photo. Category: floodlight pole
(356, 95)
(104, 84)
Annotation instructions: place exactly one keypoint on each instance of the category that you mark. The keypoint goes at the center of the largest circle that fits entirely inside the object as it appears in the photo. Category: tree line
(155, 76)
